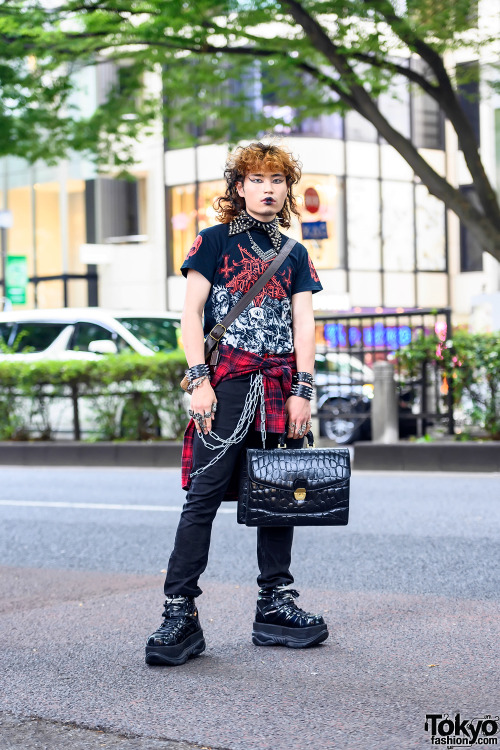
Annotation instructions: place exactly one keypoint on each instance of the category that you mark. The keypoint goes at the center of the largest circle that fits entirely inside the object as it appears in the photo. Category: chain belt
(254, 398)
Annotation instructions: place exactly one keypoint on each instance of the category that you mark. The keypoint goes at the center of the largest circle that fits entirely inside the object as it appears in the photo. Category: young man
(265, 357)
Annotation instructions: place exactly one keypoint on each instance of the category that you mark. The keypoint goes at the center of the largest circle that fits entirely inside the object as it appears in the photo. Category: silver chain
(254, 397)
(263, 255)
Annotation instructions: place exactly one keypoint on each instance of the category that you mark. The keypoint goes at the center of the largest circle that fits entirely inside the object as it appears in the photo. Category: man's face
(264, 194)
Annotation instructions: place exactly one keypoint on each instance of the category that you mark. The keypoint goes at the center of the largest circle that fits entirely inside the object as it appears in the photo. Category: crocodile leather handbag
(289, 487)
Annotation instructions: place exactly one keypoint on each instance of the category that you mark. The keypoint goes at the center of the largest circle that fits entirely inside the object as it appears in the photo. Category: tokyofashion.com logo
(457, 732)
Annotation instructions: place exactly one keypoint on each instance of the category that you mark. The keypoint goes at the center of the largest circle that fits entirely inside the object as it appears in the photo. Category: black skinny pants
(192, 542)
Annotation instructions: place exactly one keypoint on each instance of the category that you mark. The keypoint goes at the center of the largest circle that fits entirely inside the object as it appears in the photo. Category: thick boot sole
(174, 656)
(277, 635)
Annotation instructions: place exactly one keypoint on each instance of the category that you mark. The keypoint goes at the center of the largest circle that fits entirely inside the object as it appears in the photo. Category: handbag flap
(283, 468)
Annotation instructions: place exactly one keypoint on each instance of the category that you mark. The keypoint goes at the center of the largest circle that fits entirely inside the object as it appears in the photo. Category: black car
(344, 391)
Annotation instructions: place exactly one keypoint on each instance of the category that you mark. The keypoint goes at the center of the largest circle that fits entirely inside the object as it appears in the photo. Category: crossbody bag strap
(220, 329)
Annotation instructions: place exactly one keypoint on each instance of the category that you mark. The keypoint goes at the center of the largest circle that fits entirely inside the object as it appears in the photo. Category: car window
(341, 364)
(87, 332)
(35, 337)
(5, 331)
(158, 334)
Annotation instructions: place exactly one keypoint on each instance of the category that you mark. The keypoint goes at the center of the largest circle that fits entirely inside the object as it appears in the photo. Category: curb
(73, 453)
(452, 456)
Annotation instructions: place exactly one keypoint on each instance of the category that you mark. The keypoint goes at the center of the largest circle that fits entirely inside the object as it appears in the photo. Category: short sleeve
(306, 278)
(202, 257)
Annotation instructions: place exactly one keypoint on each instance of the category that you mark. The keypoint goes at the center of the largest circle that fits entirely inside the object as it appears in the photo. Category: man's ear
(240, 189)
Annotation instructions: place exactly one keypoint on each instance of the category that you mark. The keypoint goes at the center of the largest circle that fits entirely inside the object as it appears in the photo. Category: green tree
(315, 56)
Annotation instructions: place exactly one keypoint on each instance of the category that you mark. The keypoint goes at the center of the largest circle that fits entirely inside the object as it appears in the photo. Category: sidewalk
(73, 655)
(34, 734)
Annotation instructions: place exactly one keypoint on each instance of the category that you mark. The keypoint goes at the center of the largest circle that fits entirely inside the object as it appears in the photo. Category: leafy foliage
(470, 363)
(145, 384)
(231, 69)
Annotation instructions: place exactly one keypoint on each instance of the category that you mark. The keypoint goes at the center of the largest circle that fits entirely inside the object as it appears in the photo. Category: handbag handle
(214, 336)
(309, 436)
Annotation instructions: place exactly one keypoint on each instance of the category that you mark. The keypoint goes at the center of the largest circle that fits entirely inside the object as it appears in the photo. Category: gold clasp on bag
(300, 493)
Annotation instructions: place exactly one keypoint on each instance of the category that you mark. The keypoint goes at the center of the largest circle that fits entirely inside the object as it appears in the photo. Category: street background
(409, 589)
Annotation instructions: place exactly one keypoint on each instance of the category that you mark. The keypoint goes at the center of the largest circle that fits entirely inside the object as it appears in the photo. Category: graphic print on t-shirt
(266, 322)
(232, 268)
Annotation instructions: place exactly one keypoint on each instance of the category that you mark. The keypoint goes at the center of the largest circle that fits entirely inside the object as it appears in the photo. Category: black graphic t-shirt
(232, 267)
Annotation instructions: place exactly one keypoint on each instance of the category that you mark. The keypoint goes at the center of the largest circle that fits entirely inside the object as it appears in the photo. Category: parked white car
(84, 333)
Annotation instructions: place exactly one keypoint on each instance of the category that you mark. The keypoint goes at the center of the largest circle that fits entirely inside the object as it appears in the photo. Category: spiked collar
(244, 222)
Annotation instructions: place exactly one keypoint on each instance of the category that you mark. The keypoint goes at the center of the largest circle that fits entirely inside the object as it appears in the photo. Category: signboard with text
(16, 278)
(314, 230)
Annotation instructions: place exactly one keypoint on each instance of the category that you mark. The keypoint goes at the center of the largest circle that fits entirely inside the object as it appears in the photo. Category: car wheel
(140, 420)
(337, 422)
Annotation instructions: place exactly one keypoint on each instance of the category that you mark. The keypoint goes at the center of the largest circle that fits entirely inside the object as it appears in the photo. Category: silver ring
(292, 426)
(191, 412)
(214, 406)
(198, 416)
(208, 415)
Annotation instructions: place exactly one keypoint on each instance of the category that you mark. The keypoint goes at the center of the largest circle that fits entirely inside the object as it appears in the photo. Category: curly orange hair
(253, 158)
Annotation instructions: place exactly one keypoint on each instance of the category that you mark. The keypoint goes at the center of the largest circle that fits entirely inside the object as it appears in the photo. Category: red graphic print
(226, 269)
(312, 270)
(252, 269)
(195, 247)
(287, 277)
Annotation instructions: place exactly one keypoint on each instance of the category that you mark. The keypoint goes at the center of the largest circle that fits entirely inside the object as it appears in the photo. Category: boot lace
(174, 615)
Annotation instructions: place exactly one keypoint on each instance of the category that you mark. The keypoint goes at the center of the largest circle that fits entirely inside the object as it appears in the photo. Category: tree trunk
(484, 226)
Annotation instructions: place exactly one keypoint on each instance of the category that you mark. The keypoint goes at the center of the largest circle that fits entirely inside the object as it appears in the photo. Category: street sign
(314, 230)
(6, 219)
(16, 278)
(311, 200)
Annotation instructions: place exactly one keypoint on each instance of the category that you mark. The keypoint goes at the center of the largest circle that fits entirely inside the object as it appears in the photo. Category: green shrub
(470, 363)
(27, 388)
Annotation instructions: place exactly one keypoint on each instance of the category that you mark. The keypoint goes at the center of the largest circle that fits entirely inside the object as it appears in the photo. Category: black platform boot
(179, 636)
(279, 622)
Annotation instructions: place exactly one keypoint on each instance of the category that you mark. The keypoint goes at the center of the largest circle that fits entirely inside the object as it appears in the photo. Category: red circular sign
(311, 200)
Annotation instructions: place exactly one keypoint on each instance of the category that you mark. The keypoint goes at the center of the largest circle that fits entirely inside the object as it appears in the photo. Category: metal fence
(347, 347)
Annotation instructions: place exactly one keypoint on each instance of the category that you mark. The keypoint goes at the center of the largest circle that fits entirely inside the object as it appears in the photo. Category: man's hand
(203, 400)
(298, 412)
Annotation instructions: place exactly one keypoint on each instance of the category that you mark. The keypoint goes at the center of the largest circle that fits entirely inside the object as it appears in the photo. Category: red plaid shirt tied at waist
(277, 371)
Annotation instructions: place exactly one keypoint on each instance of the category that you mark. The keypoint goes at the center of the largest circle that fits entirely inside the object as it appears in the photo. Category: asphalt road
(409, 589)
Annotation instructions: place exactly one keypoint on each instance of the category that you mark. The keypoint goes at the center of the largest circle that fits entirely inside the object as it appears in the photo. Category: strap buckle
(217, 328)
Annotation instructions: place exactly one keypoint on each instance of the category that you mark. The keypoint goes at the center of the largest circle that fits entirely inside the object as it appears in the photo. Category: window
(327, 252)
(397, 216)
(186, 221)
(5, 333)
(158, 334)
(36, 337)
(87, 332)
(468, 93)
(427, 118)
(431, 237)
(363, 224)
(358, 128)
(471, 252)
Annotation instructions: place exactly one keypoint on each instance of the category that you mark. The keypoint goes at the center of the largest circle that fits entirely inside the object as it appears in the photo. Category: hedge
(470, 364)
(149, 386)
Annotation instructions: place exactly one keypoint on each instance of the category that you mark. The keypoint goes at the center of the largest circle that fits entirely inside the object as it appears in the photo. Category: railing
(347, 346)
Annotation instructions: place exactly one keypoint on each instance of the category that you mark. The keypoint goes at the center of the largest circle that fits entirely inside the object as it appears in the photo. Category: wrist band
(197, 371)
(195, 383)
(304, 377)
(303, 391)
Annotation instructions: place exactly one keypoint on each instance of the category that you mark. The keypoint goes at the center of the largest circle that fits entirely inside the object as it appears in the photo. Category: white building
(389, 244)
